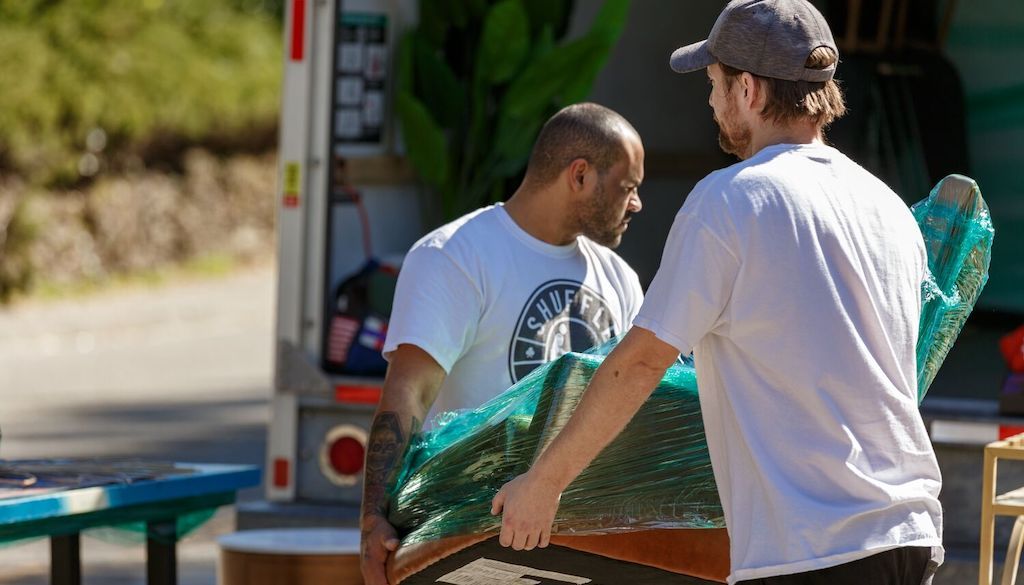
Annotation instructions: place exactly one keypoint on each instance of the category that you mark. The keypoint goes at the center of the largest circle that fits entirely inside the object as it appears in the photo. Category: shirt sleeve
(437, 307)
(692, 287)
(634, 297)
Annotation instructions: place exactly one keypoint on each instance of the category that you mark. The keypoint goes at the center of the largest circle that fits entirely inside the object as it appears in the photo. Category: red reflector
(298, 29)
(1012, 348)
(1009, 431)
(347, 456)
(280, 473)
(358, 394)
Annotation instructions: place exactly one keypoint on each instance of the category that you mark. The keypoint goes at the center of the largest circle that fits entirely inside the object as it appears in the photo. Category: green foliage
(138, 70)
(425, 139)
(16, 233)
(504, 43)
(477, 79)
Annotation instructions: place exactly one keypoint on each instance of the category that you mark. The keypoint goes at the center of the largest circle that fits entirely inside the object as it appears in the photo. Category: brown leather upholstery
(409, 560)
(700, 553)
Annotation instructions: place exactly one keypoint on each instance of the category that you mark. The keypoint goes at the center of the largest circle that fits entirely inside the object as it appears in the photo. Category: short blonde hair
(788, 101)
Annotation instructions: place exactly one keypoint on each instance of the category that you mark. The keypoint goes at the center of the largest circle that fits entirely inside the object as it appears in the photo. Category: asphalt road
(177, 372)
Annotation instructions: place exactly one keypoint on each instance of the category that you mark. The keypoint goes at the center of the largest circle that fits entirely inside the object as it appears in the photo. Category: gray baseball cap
(770, 38)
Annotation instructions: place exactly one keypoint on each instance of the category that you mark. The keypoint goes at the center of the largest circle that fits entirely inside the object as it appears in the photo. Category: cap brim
(691, 58)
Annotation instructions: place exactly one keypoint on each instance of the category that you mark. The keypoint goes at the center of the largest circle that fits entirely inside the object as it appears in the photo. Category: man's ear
(577, 174)
(753, 93)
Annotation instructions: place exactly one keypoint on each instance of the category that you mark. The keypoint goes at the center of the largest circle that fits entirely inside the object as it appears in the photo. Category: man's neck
(770, 135)
(542, 214)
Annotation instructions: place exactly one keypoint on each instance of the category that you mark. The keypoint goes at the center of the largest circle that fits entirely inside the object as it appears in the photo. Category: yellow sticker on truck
(292, 184)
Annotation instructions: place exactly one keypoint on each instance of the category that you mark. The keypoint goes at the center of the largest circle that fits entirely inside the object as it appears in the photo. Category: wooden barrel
(292, 556)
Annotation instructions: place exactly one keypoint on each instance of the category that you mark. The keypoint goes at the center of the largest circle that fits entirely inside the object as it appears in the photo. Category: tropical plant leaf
(548, 13)
(477, 8)
(545, 78)
(578, 88)
(504, 42)
(513, 143)
(456, 12)
(437, 85)
(502, 57)
(477, 144)
(424, 139)
(433, 22)
(607, 28)
(610, 20)
(513, 139)
(544, 43)
(404, 77)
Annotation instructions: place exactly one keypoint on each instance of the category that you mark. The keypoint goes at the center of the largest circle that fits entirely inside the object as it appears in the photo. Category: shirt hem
(823, 563)
(662, 333)
(424, 345)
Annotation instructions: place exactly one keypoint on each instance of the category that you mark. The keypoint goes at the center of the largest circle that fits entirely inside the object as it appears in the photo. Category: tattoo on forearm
(387, 446)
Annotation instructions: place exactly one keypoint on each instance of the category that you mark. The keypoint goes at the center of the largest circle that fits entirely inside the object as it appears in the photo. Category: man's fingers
(373, 574)
(531, 541)
(384, 535)
(498, 502)
(545, 539)
(505, 538)
(377, 555)
(376, 545)
(519, 540)
(507, 534)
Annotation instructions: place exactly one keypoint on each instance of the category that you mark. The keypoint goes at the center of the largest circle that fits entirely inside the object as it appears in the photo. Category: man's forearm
(388, 442)
(410, 387)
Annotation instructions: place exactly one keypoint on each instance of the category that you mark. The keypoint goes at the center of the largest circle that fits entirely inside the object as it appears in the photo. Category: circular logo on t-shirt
(560, 316)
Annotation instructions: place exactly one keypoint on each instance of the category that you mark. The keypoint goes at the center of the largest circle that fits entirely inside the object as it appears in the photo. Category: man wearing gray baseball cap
(794, 276)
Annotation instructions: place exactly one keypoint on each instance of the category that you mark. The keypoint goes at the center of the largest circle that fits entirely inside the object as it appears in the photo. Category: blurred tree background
(134, 134)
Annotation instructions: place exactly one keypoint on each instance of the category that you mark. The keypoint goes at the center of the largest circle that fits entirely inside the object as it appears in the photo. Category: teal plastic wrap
(657, 473)
(458, 468)
(958, 235)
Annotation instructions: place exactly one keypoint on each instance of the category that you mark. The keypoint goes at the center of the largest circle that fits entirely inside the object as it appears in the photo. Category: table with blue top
(60, 498)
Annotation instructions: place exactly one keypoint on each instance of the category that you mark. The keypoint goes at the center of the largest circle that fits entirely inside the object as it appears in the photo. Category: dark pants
(910, 565)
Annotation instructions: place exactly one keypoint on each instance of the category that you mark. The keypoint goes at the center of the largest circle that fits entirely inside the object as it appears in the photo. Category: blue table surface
(205, 479)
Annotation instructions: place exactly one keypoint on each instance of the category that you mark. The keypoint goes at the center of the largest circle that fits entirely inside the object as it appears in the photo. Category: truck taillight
(347, 455)
(298, 29)
(281, 472)
(342, 453)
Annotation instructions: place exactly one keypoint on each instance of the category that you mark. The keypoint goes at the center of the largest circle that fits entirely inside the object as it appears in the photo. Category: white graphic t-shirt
(795, 277)
(489, 302)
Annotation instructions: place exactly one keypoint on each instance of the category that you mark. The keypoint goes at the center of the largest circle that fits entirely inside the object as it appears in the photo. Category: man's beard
(734, 140)
(598, 221)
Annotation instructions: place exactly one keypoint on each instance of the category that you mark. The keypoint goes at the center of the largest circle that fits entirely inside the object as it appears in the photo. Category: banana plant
(478, 78)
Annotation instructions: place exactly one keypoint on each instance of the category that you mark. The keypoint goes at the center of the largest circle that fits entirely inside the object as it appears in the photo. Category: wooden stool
(1009, 504)
(294, 556)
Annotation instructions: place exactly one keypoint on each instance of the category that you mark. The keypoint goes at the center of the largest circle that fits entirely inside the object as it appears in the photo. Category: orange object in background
(297, 556)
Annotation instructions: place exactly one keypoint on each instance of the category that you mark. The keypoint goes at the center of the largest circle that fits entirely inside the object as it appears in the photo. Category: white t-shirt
(489, 302)
(795, 277)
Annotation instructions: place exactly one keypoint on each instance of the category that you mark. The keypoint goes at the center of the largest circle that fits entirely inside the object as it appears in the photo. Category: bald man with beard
(487, 298)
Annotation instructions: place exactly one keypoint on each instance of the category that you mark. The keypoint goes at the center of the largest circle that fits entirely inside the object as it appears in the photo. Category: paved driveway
(176, 372)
